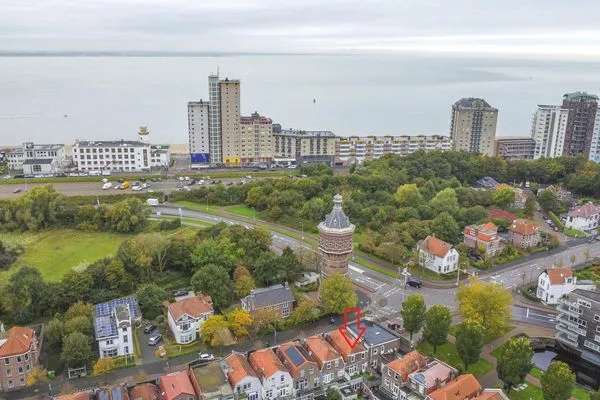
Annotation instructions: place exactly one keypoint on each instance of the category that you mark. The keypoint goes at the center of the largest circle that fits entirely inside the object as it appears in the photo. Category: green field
(448, 354)
(242, 210)
(55, 252)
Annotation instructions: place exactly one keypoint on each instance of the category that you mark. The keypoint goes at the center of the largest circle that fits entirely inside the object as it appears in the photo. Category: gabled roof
(435, 246)
(496, 213)
(238, 368)
(265, 363)
(408, 364)
(321, 350)
(338, 341)
(268, 296)
(585, 211)
(175, 384)
(523, 227)
(559, 275)
(492, 394)
(18, 340)
(435, 372)
(461, 388)
(195, 307)
(144, 391)
(294, 357)
(74, 396)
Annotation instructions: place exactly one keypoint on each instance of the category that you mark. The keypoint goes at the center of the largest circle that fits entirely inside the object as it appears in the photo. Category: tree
(558, 381)
(239, 322)
(595, 395)
(77, 350)
(504, 196)
(103, 365)
(150, 297)
(25, 296)
(126, 216)
(214, 330)
(39, 208)
(413, 313)
(469, 342)
(290, 264)
(243, 284)
(79, 309)
(485, 303)
(444, 226)
(408, 195)
(445, 200)
(514, 361)
(216, 252)
(213, 280)
(265, 320)
(81, 324)
(333, 394)
(548, 201)
(530, 206)
(36, 375)
(268, 270)
(337, 293)
(179, 254)
(437, 324)
(307, 310)
(53, 333)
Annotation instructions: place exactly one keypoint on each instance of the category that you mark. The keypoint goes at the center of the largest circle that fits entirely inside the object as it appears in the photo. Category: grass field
(242, 210)
(55, 252)
(447, 353)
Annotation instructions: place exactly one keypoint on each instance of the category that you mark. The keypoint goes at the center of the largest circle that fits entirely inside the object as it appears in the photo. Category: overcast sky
(549, 28)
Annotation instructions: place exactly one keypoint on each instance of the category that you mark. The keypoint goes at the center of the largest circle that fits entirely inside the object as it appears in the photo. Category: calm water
(109, 97)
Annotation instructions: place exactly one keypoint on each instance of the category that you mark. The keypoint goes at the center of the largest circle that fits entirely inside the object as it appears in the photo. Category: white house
(275, 379)
(242, 378)
(584, 218)
(554, 283)
(113, 326)
(38, 159)
(437, 255)
(119, 156)
(187, 315)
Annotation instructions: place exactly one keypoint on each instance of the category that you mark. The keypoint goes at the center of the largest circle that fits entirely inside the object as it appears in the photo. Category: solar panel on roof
(295, 356)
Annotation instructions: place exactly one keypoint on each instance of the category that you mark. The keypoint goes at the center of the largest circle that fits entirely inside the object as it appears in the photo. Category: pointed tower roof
(336, 220)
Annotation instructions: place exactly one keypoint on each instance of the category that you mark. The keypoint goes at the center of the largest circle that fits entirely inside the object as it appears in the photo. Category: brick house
(355, 357)
(303, 369)
(524, 234)
(19, 354)
(277, 297)
(377, 341)
(483, 237)
(330, 362)
(395, 374)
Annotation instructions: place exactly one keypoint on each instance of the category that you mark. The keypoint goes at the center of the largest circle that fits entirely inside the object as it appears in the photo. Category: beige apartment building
(473, 126)
(304, 147)
(257, 143)
(230, 120)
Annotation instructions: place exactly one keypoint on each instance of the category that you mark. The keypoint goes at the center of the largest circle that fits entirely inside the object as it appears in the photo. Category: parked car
(149, 328)
(154, 340)
(414, 282)
(205, 357)
(107, 185)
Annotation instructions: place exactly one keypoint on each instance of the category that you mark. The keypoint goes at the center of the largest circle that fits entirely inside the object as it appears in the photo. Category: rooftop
(110, 143)
(144, 391)
(580, 96)
(408, 364)
(585, 211)
(341, 345)
(593, 295)
(473, 102)
(557, 276)
(18, 340)
(435, 372)
(175, 384)
(461, 388)
(321, 349)
(238, 368)
(271, 295)
(303, 133)
(33, 161)
(486, 182)
(523, 227)
(375, 334)
(265, 362)
(294, 357)
(195, 307)
(211, 378)
(106, 315)
(435, 246)
(337, 219)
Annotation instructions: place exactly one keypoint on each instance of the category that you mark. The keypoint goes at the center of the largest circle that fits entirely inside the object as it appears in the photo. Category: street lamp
(405, 273)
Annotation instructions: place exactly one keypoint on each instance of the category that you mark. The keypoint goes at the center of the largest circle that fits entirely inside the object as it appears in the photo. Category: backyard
(448, 354)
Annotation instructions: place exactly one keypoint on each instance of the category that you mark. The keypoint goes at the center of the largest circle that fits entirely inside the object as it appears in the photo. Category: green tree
(413, 313)
(150, 298)
(469, 342)
(127, 216)
(333, 394)
(504, 196)
(337, 293)
(558, 381)
(437, 324)
(39, 208)
(53, 333)
(179, 254)
(530, 206)
(595, 395)
(408, 195)
(485, 303)
(445, 201)
(213, 280)
(548, 201)
(77, 350)
(268, 270)
(25, 296)
(514, 361)
(243, 283)
(290, 264)
(444, 226)
(216, 252)
(79, 309)
(81, 324)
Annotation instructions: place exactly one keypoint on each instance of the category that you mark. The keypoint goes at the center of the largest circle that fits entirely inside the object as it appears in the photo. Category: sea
(54, 98)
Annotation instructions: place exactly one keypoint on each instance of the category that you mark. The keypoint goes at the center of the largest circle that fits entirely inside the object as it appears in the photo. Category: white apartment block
(230, 120)
(595, 145)
(548, 128)
(113, 326)
(119, 156)
(304, 147)
(473, 126)
(360, 148)
(257, 143)
(199, 132)
(214, 120)
(38, 159)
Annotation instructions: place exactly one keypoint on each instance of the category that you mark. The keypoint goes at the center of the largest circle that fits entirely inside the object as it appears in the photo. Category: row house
(242, 378)
(330, 362)
(276, 381)
(395, 374)
(484, 238)
(355, 358)
(377, 341)
(524, 234)
(302, 368)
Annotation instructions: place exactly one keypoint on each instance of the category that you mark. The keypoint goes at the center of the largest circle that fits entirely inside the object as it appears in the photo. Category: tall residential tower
(230, 120)
(548, 129)
(580, 125)
(198, 132)
(473, 126)
(214, 121)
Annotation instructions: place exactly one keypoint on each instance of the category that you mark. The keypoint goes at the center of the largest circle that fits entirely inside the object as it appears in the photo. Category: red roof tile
(341, 345)
(239, 368)
(496, 213)
(144, 391)
(408, 364)
(193, 306)
(321, 350)
(461, 388)
(176, 384)
(585, 211)
(523, 227)
(557, 276)
(265, 362)
(435, 246)
(18, 341)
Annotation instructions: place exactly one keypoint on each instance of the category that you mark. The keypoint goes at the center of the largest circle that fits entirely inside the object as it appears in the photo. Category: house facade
(113, 326)
(278, 298)
(243, 379)
(19, 354)
(330, 363)
(437, 255)
(276, 381)
(554, 283)
(484, 238)
(303, 369)
(584, 218)
(187, 315)
(377, 341)
(524, 234)
(355, 358)
(395, 374)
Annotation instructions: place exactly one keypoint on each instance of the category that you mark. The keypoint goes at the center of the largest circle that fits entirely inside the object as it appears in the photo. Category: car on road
(205, 357)
(106, 185)
(154, 340)
(149, 328)
(414, 282)
(17, 190)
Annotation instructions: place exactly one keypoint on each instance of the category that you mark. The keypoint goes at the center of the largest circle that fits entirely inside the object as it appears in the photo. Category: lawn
(529, 393)
(55, 252)
(447, 353)
(176, 350)
(573, 233)
(241, 209)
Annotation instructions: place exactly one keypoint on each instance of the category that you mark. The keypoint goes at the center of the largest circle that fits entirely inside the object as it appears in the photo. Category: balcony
(570, 327)
(564, 338)
(567, 308)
